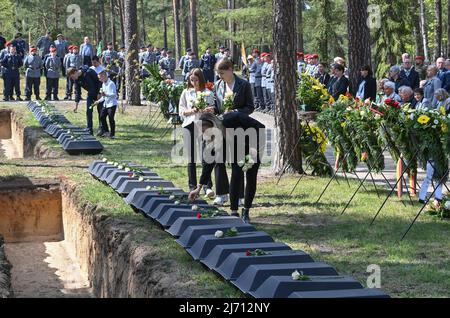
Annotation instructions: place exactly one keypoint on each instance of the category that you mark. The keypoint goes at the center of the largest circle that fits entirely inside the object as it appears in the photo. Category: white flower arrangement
(195, 208)
(296, 275)
(177, 202)
(105, 160)
(141, 179)
(172, 197)
(110, 163)
(120, 167)
(219, 234)
(447, 205)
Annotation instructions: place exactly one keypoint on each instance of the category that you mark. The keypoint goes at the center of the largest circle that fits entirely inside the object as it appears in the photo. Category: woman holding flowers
(195, 100)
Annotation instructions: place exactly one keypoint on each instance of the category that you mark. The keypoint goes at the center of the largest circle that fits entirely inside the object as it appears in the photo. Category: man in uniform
(73, 60)
(87, 52)
(21, 45)
(61, 50)
(207, 64)
(33, 65)
(110, 60)
(53, 67)
(3, 53)
(251, 72)
(314, 65)
(183, 60)
(11, 63)
(301, 65)
(219, 56)
(168, 64)
(269, 82)
(190, 64)
(147, 58)
(44, 43)
(256, 69)
(420, 67)
(264, 66)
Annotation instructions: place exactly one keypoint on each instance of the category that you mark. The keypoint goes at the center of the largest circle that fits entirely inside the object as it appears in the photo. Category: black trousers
(87, 61)
(260, 96)
(108, 113)
(52, 87)
(237, 180)
(69, 86)
(32, 83)
(12, 83)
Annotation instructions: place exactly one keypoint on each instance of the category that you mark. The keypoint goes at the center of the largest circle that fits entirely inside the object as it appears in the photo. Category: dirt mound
(5, 273)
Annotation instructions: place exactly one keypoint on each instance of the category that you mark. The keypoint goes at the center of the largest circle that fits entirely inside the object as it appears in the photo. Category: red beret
(70, 47)
(420, 58)
(300, 54)
(53, 49)
(33, 49)
(315, 56)
(75, 47)
(264, 54)
(255, 51)
(8, 43)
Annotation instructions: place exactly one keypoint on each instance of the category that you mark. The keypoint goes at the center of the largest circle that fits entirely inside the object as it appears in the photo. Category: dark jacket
(399, 83)
(243, 100)
(340, 87)
(413, 79)
(444, 76)
(90, 82)
(412, 103)
(370, 88)
(324, 79)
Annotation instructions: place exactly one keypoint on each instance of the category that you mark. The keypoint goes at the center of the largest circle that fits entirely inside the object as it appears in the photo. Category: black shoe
(246, 215)
(6, 99)
(48, 98)
(235, 214)
(66, 98)
(19, 99)
(28, 99)
(11, 99)
(56, 98)
(38, 98)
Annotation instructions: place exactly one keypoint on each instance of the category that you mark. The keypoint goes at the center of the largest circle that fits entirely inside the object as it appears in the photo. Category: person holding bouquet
(109, 96)
(195, 100)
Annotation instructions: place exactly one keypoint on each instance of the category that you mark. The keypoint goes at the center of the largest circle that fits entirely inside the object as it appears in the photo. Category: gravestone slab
(168, 218)
(129, 185)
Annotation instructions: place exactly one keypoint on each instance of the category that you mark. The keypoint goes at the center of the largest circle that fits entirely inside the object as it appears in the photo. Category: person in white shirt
(109, 100)
(190, 111)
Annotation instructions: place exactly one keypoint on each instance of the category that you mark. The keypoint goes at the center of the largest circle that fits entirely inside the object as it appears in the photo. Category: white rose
(177, 202)
(219, 234)
(412, 116)
(296, 275)
(120, 167)
(362, 113)
(172, 197)
(141, 179)
(148, 188)
(116, 164)
(377, 117)
(436, 122)
(105, 160)
(195, 208)
(127, 169)
(110, 162)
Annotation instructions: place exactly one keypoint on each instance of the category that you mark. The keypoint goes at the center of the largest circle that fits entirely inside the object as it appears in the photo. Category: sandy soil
(45, 270)
(8, 149)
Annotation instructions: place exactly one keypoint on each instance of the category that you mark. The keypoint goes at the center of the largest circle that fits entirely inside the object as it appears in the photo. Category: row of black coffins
(73, 139)
(246, 257)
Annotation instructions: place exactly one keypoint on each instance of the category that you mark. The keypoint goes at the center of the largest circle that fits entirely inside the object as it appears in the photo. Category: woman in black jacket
(367, 85)
(245, 139)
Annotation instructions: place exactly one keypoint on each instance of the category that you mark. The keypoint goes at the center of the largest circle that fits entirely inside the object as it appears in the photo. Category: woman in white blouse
(191, 114)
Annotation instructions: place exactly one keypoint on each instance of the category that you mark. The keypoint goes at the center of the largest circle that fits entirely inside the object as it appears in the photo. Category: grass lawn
(417, 267)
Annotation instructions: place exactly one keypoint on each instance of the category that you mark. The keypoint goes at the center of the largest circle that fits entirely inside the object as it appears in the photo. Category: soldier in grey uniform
(264, 80)
(73, 60)
(44, 43)
(168, 64)
(53, 67)
(3, 53)
(33, 65)
(183, 60)
(190, 64)
(110, 61)
(62, 48)
(269, 83)
(147, 58)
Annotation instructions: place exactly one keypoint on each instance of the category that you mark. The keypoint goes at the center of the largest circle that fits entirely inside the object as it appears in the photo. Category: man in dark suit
(394, 74)
(322, 75)
(410, 74)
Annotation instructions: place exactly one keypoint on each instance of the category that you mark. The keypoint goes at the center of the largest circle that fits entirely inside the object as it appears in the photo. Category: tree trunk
(177, 28)
(122, 22)
(284, 40)
(186, 23)
(326, 13)
(144, 33)
(231, 5)
(193, 18)
(417, 30)
(102, 20)
(166, 44)
(113, 24)
(132, 48)
(424, 30)
(358, 39)
(448, 29)
(438, 31)
(300, 43)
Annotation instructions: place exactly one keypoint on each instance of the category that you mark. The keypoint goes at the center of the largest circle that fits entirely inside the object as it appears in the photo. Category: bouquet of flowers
(441, 210)
(201, 103)
(313, 147)
(228, 102)
(312, 94)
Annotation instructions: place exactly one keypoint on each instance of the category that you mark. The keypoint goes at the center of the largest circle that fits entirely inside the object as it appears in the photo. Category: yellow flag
(244, 54)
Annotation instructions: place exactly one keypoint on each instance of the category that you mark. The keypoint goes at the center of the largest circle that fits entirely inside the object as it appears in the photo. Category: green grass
(416, 267)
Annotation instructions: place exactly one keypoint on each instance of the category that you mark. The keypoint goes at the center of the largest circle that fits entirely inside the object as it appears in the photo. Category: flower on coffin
(127, 169)
(195, 208)
(219, 234)
(177, 203)
(199, 215)
(105, 160)
(299, 276)
(120, 167)
(141, 179)
(231, 232)
(257, 252)
(172, 197)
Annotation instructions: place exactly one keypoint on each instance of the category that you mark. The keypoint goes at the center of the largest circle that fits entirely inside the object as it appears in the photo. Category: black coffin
(237, 263)
(112, 176)
(173, 214)
(255, 275)
(86, 147)
(192, 233)
(161, 205)
(183, 224)
(206, 243)
(284, 286)
(221, 252)
(141, 198)
(129, 185)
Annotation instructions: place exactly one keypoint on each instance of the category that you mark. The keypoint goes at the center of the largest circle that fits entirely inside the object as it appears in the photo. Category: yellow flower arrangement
(318, 137)
(444, 128)
(442, 111)
(424, 119)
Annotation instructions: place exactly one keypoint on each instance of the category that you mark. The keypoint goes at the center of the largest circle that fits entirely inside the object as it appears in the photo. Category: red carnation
(392, 103)
(248, 253)
(209, 86)
(131, 174)
(199, 215)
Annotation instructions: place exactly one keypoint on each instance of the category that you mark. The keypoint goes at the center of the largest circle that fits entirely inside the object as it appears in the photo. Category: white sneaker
(221, 200)
(210, 194)
(241, 202)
